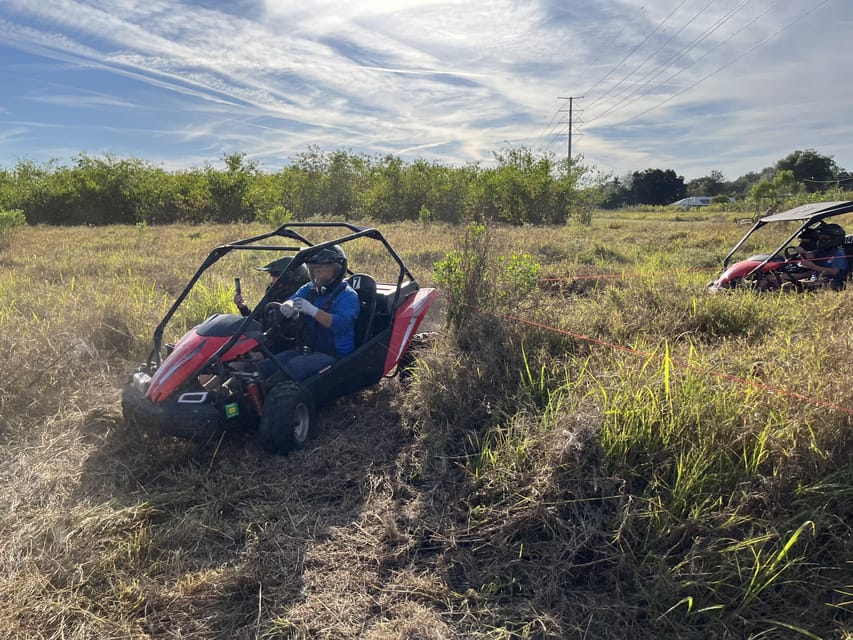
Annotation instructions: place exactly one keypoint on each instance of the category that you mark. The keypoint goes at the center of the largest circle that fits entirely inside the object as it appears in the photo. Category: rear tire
(288, 420)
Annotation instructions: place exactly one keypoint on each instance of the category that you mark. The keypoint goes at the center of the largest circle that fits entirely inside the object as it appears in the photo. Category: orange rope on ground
(627, 275)
(658, 273)
(685, 365)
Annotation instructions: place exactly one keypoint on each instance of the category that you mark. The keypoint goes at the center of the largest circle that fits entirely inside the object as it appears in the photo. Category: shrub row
(522, 188)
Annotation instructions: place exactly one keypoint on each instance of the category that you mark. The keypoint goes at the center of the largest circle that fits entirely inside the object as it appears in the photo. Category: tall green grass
(664, 438)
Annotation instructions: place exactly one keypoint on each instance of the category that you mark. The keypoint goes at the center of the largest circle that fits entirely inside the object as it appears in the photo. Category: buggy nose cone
(195, 421)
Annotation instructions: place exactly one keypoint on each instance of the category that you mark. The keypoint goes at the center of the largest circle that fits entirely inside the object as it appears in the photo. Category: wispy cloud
(85, 101)
(13, 133)
(686, 83)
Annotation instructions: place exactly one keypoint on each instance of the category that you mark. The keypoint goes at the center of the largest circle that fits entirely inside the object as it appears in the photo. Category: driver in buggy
(322, 315)
(823, 262)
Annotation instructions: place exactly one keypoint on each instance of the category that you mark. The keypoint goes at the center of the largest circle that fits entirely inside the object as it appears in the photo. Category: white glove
(287, 310)
(303, 306)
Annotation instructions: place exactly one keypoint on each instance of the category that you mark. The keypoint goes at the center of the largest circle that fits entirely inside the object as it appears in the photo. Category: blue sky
(689, 85)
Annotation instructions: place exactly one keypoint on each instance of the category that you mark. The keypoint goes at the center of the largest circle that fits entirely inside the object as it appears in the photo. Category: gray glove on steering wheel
(303, 306)
(287, 310)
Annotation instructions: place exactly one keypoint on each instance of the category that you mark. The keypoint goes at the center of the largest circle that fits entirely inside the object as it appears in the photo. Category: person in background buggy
(283, 289)
(824, 262)
(327, 308)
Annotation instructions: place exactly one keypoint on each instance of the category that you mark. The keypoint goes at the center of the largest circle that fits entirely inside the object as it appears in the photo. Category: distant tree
(7, 189)
(711, 185)
(266, 193)
(229, 189)
(614, 194)
(657, 187)
(190, 193)
(94, 190)
(817, 172)
(769, 194)
(383, 198)
(525, 188)
(740, 187)
(531, 188)
(304, 180)
(437, 192)
(343, 174)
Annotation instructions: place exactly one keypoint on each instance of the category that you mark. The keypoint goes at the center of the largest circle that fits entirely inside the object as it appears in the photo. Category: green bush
(463, 275)
(275, 216)
(476, 278)
(516, 277)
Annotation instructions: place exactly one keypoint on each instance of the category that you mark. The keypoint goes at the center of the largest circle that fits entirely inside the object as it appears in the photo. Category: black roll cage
(301, 255)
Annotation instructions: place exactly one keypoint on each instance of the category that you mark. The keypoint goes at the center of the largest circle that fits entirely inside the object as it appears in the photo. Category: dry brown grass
(471, 506)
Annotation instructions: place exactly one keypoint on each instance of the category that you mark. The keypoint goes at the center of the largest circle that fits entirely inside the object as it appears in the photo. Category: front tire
(288, 420)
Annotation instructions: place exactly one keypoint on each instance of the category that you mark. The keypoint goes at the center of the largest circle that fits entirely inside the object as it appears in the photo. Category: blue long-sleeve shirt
(342, 303)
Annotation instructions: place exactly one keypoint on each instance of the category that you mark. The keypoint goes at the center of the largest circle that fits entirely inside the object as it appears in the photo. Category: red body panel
(406, 322)
(190, 354)
(740, 269)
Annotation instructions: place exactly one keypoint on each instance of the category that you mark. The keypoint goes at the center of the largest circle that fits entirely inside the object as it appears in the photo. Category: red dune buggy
(209, 382)
(804, 220)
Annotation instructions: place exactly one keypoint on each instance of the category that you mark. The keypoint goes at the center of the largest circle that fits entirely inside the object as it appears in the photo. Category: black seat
(365, 286)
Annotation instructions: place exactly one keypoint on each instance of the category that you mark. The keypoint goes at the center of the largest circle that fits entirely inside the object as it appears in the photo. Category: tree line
(522, 187)
(800, 172)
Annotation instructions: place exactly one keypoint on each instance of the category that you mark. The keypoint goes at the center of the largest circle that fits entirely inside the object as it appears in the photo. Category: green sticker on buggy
(232, 410)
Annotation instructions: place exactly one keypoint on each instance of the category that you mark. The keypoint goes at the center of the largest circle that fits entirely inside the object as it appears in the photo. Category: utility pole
(571, 99)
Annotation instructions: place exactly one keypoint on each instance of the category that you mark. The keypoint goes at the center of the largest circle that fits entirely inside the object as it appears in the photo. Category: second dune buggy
(794, 223)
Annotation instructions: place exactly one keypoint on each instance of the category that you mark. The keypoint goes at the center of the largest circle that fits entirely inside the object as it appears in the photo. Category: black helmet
(333, 255)
(830, 236)
(808, 239)
(294, 279)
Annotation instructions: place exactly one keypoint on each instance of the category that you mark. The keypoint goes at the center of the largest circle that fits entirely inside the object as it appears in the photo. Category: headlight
(140, 382)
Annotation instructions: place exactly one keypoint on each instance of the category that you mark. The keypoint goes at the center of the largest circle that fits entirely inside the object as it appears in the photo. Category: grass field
(616, 454)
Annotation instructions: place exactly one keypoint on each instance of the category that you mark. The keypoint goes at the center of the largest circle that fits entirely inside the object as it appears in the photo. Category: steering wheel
(792, 253)
(275, 323)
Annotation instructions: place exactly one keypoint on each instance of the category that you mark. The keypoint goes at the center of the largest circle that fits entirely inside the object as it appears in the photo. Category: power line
(661, 48)
(725, 65)
(706, 54)
(648, 78)
(836, 180)
(630, 53)
(551, 125)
